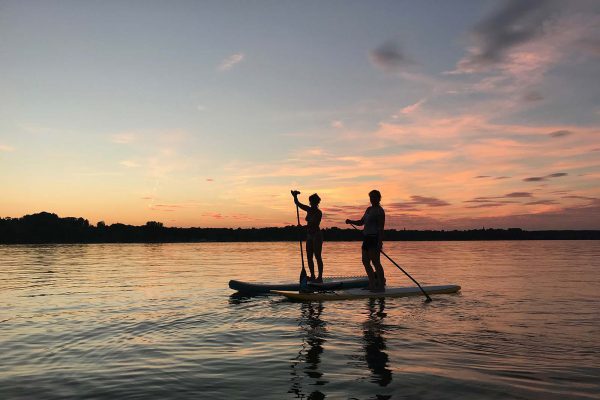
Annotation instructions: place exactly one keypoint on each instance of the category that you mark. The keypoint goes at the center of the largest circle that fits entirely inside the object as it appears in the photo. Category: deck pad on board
(362, 293)
(331, 283)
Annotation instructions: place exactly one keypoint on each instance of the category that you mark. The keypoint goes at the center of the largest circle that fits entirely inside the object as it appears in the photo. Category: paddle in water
(303, 275)
(400, 268)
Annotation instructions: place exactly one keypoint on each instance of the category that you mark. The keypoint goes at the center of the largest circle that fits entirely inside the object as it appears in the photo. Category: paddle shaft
(401, 269)
(301, 251)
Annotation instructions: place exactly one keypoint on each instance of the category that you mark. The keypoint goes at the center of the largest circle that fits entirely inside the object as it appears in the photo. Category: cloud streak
(129, 164)
(560, 133)
(413, 107)
(123, 138)
(545, 178)
(231, 61)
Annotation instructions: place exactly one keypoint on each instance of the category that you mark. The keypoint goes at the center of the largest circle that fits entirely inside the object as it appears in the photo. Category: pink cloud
(213, 215)
(413, 107)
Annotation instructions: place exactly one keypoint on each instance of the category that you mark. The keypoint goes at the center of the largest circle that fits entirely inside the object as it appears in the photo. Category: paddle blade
(303, 280)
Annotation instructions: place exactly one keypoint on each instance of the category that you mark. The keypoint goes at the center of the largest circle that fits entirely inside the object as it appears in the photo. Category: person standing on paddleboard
(314, 236)
(374, 222)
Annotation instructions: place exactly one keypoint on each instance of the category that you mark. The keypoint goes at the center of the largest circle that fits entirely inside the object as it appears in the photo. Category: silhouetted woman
(374, 222)
(314, 236)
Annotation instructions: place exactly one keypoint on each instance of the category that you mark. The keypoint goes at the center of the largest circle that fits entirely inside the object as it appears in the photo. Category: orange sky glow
(130, 120)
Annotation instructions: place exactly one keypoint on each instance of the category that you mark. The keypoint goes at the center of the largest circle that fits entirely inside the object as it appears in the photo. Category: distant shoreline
(47, 228)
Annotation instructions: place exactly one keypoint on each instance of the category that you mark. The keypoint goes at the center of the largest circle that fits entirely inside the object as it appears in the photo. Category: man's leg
(309, 257)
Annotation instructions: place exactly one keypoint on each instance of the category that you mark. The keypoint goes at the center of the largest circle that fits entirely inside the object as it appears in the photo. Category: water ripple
(133, 321)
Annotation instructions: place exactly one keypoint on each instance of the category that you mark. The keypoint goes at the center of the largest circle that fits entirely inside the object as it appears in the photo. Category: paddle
(401, 269)
(303, 276)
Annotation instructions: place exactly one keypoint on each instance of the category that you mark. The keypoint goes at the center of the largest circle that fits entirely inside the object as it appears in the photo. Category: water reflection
(309, 357)
(374, 344)
(239, 298)
(132, 322)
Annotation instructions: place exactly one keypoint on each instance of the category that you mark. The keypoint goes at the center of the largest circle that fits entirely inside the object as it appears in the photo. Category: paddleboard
(363, 294)
(331, 283)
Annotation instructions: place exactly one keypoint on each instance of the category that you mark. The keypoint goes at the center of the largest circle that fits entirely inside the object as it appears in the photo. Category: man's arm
(359, 222)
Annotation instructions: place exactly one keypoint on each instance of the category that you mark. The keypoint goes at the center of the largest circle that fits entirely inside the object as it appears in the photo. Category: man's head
(375, 197)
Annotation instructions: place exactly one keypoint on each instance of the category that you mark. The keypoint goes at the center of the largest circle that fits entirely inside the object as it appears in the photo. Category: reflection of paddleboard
(362, 294)
(332, 283)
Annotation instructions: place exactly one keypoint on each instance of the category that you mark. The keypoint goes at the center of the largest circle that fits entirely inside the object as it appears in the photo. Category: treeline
(50, 228)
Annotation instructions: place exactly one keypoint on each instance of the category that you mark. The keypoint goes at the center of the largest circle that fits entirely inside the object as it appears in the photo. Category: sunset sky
(206, 113)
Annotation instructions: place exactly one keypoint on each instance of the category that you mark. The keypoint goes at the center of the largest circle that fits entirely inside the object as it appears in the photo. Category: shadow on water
(374, 345)
(309, 357)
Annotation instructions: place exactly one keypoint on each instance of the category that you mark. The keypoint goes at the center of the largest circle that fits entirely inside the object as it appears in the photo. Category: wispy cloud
(498, 199)
(515, 23)
(429, 201)
(6, 148)
(231, 61)
(560, 133)
(497, 178)
(413, 107)
(533, 96)
(164, 207)
(337, 124)
(214, 215)
(418, 201)
(129, 164)
(490, 204)
(545, 178)
(518, 194)
(542, 202)
(517, 44)
(123, 138)
(173, 206)
(390, 57)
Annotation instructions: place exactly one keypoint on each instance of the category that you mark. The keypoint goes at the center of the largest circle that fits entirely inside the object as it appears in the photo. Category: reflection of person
(376, 358)
(315, 332)
(310, 355)
(314, 236)
(374, 222)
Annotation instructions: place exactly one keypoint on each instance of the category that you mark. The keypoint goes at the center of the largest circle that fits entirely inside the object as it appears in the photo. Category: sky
(464, 114)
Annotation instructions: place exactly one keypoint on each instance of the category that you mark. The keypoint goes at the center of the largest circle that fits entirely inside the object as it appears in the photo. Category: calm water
(151, 321)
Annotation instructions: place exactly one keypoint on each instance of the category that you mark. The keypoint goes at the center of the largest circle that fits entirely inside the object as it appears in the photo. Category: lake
(158, 321)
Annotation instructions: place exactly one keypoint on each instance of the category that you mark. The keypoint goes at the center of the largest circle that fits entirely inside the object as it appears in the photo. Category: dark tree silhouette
(46, 227)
